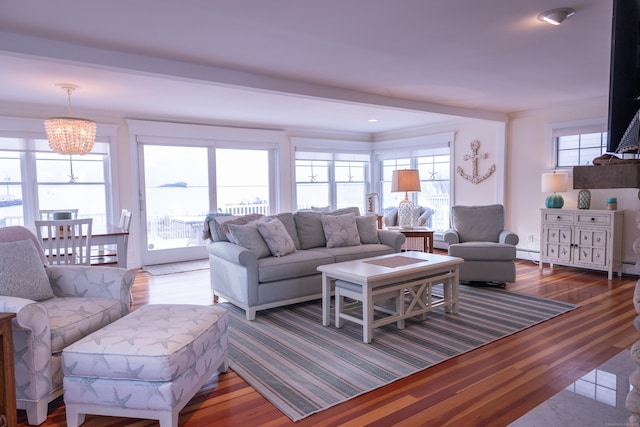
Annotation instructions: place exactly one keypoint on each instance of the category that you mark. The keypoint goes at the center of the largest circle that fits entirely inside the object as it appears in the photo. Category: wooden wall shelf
(607, 176)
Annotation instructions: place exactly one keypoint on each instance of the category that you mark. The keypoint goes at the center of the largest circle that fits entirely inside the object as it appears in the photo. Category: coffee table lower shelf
(394, 303)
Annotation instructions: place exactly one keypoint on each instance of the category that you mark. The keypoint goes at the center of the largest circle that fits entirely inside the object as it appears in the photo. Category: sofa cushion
(349, 253)
(309, 226)
(310, 231)
(297, 264)
(368, 229)
(276, 236)
(22, 273)
(71, 319)
(250, 238)
(226, 221)
(340, 230)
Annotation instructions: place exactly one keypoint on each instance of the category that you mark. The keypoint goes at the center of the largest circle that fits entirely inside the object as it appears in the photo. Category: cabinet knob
(558, 217)
(593, 220)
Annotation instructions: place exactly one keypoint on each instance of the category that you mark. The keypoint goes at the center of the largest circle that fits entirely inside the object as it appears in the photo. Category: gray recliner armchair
(478, 236)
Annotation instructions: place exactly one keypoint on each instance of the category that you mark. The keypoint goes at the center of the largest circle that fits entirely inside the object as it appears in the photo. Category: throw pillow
(212, 230)
(290, 224)
(249, 237)
(320, 209)
(340, 230)
(276, 236)
(390, 218)
(424, 220)
(368, 229)
(225, 222)
(22, 273)
(343, 211)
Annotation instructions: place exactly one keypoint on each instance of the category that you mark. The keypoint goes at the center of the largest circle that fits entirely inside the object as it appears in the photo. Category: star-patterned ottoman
(148, 364)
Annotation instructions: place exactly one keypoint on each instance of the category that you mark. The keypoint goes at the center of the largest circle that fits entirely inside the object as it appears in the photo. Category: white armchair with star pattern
(55, 306)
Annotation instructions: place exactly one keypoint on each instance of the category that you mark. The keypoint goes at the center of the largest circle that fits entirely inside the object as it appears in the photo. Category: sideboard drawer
(555, 217)
(586, 218)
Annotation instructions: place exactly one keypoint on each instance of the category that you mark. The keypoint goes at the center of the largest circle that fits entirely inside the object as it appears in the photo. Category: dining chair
(49, 214)
(66, 241)
(125, 219)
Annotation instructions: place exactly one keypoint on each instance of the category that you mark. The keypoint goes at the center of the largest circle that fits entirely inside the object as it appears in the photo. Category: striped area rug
(303, 367)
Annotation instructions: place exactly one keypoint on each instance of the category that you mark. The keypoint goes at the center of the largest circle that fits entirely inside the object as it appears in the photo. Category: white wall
(520, 159)
(529, 155)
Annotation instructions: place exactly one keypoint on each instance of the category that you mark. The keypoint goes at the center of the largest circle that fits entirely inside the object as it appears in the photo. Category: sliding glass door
(181, 184)
(174, 203)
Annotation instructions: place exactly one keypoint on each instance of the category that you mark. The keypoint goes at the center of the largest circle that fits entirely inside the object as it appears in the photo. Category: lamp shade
(405, 180)
(554, 182)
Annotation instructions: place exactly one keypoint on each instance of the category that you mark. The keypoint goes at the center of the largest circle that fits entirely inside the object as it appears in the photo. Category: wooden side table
(7, 374)
(417, 232)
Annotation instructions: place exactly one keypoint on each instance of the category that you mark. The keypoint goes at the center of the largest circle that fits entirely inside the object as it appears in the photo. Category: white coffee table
(409, 273)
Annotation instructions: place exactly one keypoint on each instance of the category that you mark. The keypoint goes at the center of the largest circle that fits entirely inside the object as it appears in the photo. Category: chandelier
(70, 135)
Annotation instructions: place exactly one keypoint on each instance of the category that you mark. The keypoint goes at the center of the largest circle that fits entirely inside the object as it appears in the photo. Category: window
(59, 181)
(72, 182)
(178, 195)
(239, 192)
(435, 184)
(579, 149)
(334, 180)
(11, 209)
(577, 143)
(186, 171)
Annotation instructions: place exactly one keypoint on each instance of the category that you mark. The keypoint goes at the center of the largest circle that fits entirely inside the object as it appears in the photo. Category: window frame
(28, 137)
(412, 149)
(577, 128)
(325, 149)
(332, 184)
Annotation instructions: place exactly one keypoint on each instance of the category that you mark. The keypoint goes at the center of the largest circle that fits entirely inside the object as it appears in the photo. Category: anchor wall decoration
(474, 156)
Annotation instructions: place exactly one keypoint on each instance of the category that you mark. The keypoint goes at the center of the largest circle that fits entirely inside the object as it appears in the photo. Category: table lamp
(405, 180)
(554, 183)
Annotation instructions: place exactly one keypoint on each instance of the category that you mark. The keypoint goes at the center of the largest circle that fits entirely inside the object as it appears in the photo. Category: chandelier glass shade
(70, 135)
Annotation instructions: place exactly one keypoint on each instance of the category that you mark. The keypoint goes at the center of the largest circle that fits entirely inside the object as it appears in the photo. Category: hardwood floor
(490, 386)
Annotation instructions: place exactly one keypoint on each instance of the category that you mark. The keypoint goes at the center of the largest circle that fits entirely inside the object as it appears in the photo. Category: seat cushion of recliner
(73, 318)
(483, 251)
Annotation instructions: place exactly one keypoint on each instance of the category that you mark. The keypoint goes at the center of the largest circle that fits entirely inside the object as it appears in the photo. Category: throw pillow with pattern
(340, 230)
(277, 238)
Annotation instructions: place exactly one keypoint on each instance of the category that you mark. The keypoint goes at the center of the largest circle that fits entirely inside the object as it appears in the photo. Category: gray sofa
(253, 278)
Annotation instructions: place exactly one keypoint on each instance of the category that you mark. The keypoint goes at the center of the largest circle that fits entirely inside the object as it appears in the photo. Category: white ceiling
(301, 64)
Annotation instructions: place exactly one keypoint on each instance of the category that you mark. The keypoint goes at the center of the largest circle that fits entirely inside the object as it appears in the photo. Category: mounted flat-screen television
(624, 75)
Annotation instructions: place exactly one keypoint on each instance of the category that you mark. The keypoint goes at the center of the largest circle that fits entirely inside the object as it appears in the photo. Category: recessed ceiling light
(373, 120)
(556, 16)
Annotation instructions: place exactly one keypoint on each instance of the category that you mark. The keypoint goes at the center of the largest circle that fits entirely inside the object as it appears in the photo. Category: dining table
(104, 234)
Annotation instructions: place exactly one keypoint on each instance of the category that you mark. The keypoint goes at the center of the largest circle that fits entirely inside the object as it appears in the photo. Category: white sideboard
(582, 238)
